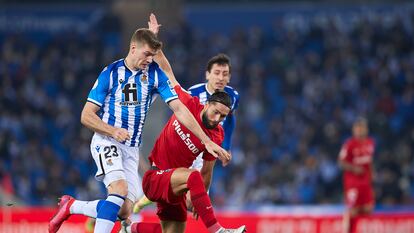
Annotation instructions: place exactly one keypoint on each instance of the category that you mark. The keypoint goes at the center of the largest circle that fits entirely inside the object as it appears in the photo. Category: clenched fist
(120, 134)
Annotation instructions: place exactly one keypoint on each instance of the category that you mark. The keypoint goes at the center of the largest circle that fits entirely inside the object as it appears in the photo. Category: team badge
(144, 78)
(109, 162)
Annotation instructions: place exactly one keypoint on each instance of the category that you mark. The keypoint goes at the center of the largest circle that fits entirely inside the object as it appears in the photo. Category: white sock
(87, 208)
(103, 225)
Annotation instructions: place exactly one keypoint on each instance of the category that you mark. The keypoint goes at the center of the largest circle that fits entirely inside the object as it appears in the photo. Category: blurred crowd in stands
(301, 82)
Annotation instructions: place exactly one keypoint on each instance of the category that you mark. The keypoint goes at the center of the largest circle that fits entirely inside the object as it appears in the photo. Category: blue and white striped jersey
(125, 96)
(200, 90)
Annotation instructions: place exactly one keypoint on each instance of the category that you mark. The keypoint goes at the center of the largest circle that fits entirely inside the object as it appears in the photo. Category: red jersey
(176, 145)
(358, 152)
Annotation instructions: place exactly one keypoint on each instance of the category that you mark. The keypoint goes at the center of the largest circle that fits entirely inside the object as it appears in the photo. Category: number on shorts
(110, 151)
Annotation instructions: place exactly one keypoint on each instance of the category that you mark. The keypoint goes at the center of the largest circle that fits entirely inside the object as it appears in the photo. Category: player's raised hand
(218, 152)
(153, 24)
(120, 134)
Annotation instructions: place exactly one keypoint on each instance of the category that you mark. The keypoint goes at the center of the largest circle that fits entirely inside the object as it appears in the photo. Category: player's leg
(130, 165)
(108, 156)
(108, 212)
(172, 227)
(108, 160)
(367, 200)
(353, 201)
(184, 179)
(143, 227)
(171, 209)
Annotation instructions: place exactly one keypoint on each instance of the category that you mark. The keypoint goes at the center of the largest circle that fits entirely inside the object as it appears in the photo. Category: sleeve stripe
(171, 98)
(94, 102)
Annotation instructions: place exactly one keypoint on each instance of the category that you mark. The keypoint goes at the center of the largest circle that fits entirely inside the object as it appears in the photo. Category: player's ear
(132, 47)
(207, 75)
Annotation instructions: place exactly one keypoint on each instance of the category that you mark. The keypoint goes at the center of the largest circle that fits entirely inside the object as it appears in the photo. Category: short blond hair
(145, 36)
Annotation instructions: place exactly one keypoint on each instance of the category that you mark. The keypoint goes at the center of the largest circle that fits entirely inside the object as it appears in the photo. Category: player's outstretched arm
(207, 172)
(93, 122)
(164, 64)
(160, 57)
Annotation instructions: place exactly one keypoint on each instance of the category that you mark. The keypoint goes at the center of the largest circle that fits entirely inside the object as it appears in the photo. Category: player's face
(360, 130)
(215, 113)
(218, 77)
(142, 55)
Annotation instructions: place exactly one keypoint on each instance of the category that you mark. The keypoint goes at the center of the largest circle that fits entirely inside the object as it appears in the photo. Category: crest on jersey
(144, 77)
(109, 162)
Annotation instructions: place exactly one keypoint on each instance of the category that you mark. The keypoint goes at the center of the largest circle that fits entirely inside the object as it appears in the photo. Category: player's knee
(119, 187)
(195, 176)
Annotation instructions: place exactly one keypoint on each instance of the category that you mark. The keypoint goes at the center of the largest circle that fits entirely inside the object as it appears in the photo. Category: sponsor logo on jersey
(130, 95)
(185, 137)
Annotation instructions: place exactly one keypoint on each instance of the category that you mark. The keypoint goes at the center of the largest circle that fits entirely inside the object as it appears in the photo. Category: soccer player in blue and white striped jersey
(116, 111)
(218, 75)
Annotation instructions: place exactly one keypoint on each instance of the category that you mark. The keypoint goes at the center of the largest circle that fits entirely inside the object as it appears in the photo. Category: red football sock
(201, 202)
(352, 225)
(146, 227)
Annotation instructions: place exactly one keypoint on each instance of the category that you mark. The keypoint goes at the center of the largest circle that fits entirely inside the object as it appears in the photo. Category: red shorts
(156, 185)
(358, 196)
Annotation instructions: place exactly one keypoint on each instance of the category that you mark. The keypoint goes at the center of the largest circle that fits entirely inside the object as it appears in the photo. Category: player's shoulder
(349, 141)
(231, 91)
(217, 134)
(153, 65)
(198, 87)
(116, 64)
(178, 87)
(371, 140)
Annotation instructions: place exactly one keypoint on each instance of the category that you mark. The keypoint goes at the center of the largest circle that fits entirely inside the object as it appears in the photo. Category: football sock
(201, 202)
(107, 213)
(145, 227)
(87, 208)
(352, 224)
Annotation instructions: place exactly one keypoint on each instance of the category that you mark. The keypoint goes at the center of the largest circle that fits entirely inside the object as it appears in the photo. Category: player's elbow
(176, 106)
(84, 117)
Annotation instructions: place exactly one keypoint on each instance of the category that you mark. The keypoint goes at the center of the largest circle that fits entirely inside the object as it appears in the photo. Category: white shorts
(116, 161)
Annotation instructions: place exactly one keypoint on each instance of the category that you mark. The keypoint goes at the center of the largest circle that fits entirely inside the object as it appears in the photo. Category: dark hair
(220, 97)
(220, 59)
(144, 35)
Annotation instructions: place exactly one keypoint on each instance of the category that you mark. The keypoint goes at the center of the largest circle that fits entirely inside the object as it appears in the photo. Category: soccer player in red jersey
(170, 182)
(355, 159)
